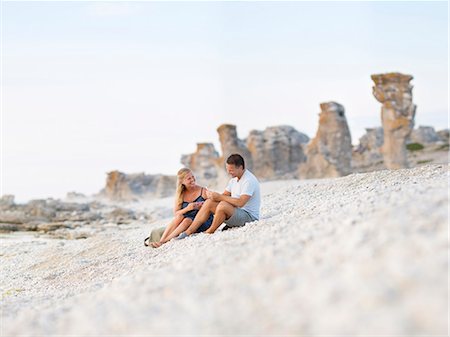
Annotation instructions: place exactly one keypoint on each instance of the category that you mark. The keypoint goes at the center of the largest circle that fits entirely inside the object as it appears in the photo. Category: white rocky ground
(364, 254)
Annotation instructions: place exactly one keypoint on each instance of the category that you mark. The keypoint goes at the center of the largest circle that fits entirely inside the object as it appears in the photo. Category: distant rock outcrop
(368, 151)
(66, 220)
(367, 155)
(329, 154)
(444, 135)
(277, 151)
(43, 215)
(128, 187)
(394, 91)
(424, 135)
(206, 164)
(204, 161)
(6, 201)
(231, 143)
(75, 196)
(274, 153)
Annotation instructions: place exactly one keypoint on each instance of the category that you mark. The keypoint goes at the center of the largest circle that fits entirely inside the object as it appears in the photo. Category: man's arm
(226, 196)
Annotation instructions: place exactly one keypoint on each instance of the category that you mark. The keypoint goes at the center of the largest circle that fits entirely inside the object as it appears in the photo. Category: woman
(189, 198)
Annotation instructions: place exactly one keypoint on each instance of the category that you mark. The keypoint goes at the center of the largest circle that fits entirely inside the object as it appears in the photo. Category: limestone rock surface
(329, 154)
(394, 91)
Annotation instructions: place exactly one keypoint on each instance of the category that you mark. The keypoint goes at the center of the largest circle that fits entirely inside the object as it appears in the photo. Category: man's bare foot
(156, 244)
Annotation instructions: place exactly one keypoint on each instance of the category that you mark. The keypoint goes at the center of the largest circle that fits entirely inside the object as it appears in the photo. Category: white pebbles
(363, 254)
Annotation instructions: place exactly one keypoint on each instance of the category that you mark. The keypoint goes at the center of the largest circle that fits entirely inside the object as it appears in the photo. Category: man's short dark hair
(236, 160)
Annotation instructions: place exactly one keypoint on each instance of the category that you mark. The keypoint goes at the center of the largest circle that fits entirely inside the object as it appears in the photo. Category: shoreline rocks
(61, 219)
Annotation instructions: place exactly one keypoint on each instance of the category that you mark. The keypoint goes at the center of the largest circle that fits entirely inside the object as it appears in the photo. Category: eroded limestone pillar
(329, 154)
(231, 143)
(397, 115)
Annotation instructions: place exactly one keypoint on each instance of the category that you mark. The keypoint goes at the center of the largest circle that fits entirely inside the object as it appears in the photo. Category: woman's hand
(198, 205)
(194, 206)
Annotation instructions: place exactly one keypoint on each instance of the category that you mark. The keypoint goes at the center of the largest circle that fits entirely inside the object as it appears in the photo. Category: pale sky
(91, 87)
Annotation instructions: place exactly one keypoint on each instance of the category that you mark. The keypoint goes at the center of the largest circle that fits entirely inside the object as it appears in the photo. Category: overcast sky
(92, 87)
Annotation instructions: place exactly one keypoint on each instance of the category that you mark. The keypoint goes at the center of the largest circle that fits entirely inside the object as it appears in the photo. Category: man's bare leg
(203, 214)
(224, 211)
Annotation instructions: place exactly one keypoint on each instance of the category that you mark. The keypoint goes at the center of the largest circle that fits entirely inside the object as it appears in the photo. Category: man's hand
(208, 194)
(214, 196)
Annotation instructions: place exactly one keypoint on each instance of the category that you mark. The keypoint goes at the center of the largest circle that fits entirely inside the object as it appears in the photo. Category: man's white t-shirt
(248, 185)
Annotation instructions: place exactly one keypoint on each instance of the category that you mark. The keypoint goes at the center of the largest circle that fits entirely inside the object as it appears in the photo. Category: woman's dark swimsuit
(191, 214)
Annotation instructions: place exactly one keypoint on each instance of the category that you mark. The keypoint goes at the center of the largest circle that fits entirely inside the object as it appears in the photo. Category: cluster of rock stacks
(281, 152)
(274, 153)
(385, 147)
(128, 187)
(368, 156)
(277, 151)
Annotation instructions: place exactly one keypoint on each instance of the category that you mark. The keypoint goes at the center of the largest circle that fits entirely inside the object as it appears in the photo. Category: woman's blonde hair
(182, 173)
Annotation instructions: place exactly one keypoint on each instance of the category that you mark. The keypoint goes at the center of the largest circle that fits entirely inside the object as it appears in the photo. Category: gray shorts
(239, 218)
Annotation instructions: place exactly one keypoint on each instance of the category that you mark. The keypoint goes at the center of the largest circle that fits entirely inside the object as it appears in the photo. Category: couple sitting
(199, 210)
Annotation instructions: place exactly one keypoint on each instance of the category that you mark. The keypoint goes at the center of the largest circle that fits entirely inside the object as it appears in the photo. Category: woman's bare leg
(181, 228)
(171, 227)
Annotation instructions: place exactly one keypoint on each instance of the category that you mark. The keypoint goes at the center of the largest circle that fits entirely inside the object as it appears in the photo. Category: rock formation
(274, 153)
(277, 151)
(230, 144)
(117, 187)
(127, 187)
(75, 196)
(329, 154)
(204, 161)
(367, 154)
(67, 220)
(368, 151)
(6, 201)
(397, 115)
(444, 135)
(424, 135)
(207, 166)
(43, 215)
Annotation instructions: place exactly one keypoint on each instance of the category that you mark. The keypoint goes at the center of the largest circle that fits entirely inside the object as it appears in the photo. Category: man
(237, 205)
